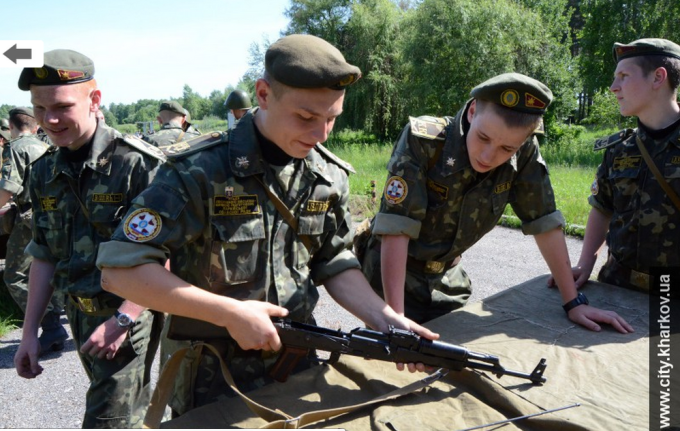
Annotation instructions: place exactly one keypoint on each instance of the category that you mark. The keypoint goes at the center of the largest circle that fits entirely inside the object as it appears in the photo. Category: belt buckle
(434, 267)
(86, 305)
(639, 279)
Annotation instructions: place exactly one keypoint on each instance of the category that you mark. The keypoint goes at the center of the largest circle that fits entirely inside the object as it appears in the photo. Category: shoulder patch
(143, 146)
(194, 145)
(335, 159)
(428, 127)
(612, 140)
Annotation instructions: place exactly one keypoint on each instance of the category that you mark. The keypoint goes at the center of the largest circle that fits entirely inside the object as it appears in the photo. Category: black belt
(104, 304)
(638, 279)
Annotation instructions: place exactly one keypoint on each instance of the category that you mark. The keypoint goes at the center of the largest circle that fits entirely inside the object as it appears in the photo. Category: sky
(146, 49)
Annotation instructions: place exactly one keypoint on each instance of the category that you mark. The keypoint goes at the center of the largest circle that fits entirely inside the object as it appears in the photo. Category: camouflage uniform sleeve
(9, 182)
(335, 254)
(534, 199)
(601, 197)
(171, 208)
(38, 247)
(402, 213)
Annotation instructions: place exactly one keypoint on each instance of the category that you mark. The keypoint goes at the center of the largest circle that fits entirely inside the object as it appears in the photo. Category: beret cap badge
(40, 72)
(510, 98)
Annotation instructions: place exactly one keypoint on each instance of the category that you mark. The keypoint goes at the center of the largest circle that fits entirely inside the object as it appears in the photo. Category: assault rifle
(397, 346)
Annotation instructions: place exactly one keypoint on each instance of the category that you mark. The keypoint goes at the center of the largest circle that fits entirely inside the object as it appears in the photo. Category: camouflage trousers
(119, 389)
(426, 296)
(17, 267)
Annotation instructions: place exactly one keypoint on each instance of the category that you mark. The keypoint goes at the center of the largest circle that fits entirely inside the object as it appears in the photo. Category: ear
(471, 110)
(263, 92)
(660, 76)
(96, 100)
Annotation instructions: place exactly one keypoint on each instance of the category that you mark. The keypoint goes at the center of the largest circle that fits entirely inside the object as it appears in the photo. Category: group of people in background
(191, 237)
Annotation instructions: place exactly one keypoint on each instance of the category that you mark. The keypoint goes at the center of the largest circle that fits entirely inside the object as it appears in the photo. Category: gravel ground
(55, 399)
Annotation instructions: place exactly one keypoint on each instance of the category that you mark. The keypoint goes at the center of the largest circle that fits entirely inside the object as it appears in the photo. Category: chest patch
(107, 198)
(318, 206)
(396, 190)
(236, 205)
(439, 189)
(500, 188)
(48, 203)
(623, 163)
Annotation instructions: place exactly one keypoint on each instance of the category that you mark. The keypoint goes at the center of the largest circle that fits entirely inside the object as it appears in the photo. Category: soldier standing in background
(448, 184)
(17, 157)
(172, 117)
(224, 212)
(80, 189)
(238, 103)
(630, 207)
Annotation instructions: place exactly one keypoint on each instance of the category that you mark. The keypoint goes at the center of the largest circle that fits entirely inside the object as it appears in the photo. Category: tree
(453, 45)
(323, 18)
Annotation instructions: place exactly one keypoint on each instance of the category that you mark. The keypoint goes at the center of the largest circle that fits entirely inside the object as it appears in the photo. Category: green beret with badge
(306, 61)
(61, 67)
(515, 91)
(172, 106)
(644, 47)
(21, 111)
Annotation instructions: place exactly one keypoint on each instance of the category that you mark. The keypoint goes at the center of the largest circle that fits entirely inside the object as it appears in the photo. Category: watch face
(124, 320)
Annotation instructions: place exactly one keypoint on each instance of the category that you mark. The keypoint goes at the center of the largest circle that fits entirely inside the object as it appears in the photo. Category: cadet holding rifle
(252, 221)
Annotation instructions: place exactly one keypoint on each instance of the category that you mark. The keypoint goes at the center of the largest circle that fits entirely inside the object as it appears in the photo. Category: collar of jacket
(100, 153)
(245, 158)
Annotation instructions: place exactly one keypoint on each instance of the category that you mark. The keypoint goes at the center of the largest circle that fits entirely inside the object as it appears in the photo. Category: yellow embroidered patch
(500, 188)
(318, 206)
(622, 163)
(107, 198)
(48, 203)
(439, 189)
(236, 205)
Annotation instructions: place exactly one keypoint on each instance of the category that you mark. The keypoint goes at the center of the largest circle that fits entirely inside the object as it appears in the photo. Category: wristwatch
(579, 300)
(124, 320)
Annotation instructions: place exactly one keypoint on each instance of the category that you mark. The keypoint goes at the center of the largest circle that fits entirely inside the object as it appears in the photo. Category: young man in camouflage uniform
(80, 190)
(236, 261)
(17, 156)
(639, 219)
(449, 181)
(171, 117)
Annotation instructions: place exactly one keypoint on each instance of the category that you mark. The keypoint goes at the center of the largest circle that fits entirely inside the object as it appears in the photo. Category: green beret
(21, 111)
(62, 67)
(305, 61)
(172, 106)
(515, 91)
(641, 47)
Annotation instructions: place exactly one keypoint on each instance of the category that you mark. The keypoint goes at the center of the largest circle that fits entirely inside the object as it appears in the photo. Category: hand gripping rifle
(397, 346)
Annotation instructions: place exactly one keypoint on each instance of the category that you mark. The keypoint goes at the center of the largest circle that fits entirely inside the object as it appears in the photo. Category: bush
(211, 123)
(604, 112)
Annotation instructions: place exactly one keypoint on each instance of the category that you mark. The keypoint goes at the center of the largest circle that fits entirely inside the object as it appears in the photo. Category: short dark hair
(649, 63)
(23, 122)
(511, 117)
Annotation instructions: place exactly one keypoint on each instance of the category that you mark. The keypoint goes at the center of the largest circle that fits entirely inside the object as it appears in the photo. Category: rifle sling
(655, 170)
(276, 418)
(287, 215)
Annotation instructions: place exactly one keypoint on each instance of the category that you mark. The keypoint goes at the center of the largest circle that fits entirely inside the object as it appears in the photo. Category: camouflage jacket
(168, 135)
(207, 210)
(117, 170)
(439, 201)
(644, 230)
(16, 167)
